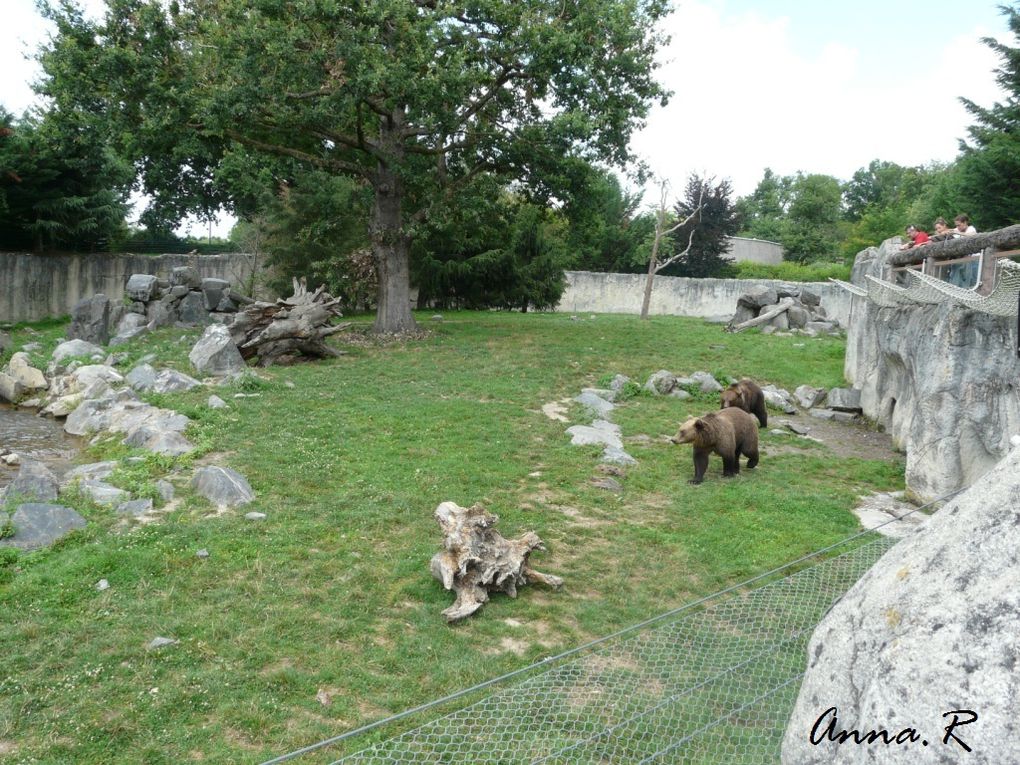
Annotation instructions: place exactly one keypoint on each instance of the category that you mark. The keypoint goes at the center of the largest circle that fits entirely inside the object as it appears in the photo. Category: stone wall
(716, 299)
(36, 287)
(754, 250)
(942, 379)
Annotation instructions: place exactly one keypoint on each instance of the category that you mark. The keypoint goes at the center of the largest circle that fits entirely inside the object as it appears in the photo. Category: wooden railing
(985, 248)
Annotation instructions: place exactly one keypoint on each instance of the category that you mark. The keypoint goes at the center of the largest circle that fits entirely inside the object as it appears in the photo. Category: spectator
(916, 237)
(942, 230)
(963, 227)
(963, 274)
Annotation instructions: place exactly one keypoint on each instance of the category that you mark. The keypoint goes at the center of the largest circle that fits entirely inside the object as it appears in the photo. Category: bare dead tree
(662, 219)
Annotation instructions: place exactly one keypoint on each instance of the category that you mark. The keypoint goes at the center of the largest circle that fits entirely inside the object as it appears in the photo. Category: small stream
(41, 438)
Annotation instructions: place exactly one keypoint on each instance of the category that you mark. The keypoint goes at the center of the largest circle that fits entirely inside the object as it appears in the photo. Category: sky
(791, 85)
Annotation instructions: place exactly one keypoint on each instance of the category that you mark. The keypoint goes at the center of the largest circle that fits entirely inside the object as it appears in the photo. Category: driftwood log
(289, 329)
(1001, 239)
(784, 304)
(477, 560)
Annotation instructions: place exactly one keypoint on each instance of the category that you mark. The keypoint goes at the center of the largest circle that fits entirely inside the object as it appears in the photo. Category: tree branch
(286, 151)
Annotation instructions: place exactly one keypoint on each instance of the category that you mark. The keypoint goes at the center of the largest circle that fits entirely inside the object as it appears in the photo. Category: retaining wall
(36, 287)
(714, 299)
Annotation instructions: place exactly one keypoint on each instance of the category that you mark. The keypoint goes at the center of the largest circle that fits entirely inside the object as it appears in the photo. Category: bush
(793, 272)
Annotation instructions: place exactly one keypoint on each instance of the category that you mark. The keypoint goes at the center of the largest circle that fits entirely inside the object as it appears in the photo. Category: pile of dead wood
(289, 329)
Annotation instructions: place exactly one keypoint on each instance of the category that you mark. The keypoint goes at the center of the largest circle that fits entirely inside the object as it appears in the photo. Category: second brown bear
(729, 433)
(748, 396)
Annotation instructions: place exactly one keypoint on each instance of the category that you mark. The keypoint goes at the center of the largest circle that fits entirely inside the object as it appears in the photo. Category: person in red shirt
(916, 236)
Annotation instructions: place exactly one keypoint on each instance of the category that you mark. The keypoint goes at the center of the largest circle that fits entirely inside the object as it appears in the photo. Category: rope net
(714, 683)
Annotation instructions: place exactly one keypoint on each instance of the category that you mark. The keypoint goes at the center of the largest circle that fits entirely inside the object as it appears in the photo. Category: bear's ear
(700, 425)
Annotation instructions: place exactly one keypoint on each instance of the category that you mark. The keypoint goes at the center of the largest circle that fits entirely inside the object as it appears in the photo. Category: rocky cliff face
(942, 379)
(918, 661)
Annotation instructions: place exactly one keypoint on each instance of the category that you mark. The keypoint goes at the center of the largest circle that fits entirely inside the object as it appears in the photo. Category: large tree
(415, 98)
(990, 160)
(711, 220)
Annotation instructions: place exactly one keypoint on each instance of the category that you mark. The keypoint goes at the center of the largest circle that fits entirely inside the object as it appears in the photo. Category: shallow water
(41, 438)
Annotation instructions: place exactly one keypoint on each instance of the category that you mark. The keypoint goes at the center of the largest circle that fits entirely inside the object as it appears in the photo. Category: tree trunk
(391, 246)
(653, 264)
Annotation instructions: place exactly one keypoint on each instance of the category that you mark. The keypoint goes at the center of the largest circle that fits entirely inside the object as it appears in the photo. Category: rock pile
(185, 299)
(790, 307)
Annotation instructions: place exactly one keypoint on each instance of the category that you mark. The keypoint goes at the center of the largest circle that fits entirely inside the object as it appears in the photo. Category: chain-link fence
(713, 682)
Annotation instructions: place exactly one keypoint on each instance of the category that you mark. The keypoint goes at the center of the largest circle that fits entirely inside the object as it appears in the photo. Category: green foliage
(788, 271)
(60, 186)
(604, 229)
(990, 159)
(763, 214)
(6, 527)
(706, 232)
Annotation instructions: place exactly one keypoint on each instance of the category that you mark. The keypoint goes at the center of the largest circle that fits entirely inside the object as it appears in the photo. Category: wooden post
(986, 279)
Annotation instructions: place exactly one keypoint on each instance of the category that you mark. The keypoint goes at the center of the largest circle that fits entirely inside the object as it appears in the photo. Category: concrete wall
(589, 292)
(36, 287)
(755, 250)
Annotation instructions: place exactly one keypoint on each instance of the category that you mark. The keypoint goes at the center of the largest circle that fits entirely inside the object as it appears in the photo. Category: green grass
(332, 591)
(792, 272)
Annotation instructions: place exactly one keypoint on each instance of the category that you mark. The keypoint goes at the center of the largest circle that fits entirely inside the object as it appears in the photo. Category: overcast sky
(794, 85)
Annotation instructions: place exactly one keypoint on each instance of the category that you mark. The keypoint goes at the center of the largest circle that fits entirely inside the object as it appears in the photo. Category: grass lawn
(330, 598)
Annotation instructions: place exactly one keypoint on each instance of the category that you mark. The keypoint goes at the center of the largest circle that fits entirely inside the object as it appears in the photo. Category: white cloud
(746, 99)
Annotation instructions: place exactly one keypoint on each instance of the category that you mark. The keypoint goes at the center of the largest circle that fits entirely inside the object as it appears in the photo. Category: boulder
(169, 443)
(215, 353)
(661, 383)
(222, 486)
(780, 322)
(141, 288)
(76, 348)
(172, 381)
(213, 291)
(160, 313)
(135, 507)
(809, 298)
(808, 397)
(103, 493)
(742, 314)
(596, 406)
(94, 471)
(129, 322)
(38, 524)
(844, 400)
(30, 378)
(930, 629)
(616, 456)
(599, 433)
(34, 481)
(90, 320)
(10, 389)
(779, 398)
(142, 377)
(797, 317)
(185, 276)
(192, 310)
(706, 382)
(758, 296)
(85, 376)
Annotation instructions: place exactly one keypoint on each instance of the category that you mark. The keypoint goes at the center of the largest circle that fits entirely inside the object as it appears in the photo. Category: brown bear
(728, 432)
(746, 395)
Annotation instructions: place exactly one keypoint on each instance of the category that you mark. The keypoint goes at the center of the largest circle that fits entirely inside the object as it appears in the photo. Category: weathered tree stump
(289, 329)
(477, 559)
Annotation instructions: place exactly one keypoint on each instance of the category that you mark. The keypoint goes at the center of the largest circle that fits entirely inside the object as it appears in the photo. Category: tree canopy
(413, 99)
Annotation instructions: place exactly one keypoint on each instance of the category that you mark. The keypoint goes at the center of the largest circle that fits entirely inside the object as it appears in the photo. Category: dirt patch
(8, 747)
(844, 440)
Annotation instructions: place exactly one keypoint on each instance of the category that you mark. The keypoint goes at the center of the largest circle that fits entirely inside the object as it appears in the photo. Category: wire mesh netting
(710, 683)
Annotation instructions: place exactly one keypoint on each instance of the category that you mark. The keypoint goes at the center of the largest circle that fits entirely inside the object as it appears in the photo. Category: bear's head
(690, 431)
(732, 396)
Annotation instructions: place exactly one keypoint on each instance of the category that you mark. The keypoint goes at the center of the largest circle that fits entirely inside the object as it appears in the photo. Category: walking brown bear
(728, 432)
(748, 396)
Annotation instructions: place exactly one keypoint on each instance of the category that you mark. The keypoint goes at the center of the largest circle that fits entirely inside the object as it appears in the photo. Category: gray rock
(615, 456)
(137, 307)
(103, 493)
(808, 397)
(596, 406)
(706, 382)
(779, 398)
(135, 507)
(185, 276)
(227, 304)
(130, 322)
(85, 376)
(160, 642)
(21, 369)
(215, 402)
(166, 442)
(39, 524)
(822, 414)
(213, 291)
(141, 288)
(661, 383)
(192, 310)
(165, 489)
(172, 381)
(600, 432)
(179, 291)
(215, 353)
(889, 515)
(90, 320)
(125, 337)
(5, 342)
(743, 313)
(95, 471)
(222, 486)
(607, 483)
(255, 516)
(797, 317)
(142, 377)
(679, 393)
(758, 296)
(618, 382)
(160, 314)
(10, 389)
(821, 327)
(34, 482)
(102, 585)
(76, 348)
(932, 627)
(844, 400)
(203, 553)
(809, 297)
(793, 427)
